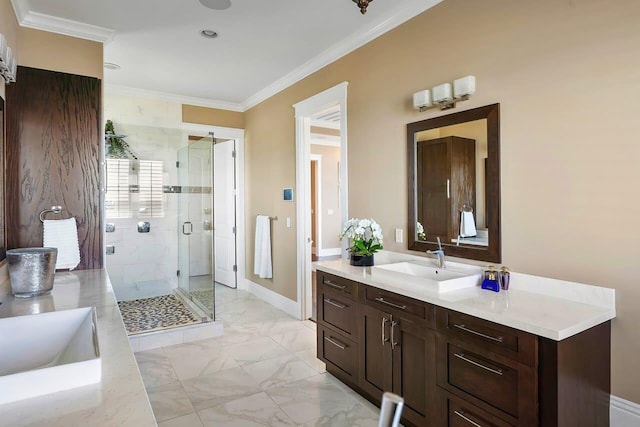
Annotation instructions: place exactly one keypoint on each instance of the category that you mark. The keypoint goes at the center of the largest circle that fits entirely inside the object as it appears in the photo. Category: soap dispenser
(490, 281)
(504, 278)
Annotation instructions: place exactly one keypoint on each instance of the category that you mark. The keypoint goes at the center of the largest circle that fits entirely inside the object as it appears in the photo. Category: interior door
(224, 199)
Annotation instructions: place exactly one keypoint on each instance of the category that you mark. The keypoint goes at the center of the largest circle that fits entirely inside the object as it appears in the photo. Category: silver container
(31, 271)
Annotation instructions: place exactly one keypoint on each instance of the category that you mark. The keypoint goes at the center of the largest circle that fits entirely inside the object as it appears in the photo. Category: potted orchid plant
(365, 236)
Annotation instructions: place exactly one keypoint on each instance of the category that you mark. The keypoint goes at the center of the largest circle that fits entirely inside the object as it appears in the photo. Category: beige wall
(569, 184)
(212, 116)
(8, 27)
(55, 52)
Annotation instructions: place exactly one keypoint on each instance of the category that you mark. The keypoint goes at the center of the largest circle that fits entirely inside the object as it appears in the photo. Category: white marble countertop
(546, 307)
(120, 398)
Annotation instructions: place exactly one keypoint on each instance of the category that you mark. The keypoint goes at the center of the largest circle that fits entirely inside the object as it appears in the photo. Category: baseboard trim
(624, 413)
(275, 299)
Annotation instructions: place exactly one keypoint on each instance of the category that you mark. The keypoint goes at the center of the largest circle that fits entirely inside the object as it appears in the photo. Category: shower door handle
(187, 226)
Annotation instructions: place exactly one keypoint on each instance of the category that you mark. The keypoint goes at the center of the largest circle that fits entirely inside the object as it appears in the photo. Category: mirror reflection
(454, 184)
(451, 166)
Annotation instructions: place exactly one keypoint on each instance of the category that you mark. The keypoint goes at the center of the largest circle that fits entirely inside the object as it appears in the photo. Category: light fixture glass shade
(422, 99)
(3, 48)
(442, 93)
(464, 86)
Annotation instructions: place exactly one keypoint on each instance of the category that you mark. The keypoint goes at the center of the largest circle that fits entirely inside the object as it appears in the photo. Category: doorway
(308, 114)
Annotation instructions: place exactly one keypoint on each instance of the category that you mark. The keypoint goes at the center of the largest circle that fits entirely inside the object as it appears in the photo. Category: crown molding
(67, 27)
(163, 96)
(341, 49)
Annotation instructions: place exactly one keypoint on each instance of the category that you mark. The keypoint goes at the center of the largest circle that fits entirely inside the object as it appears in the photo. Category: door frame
(303, 112)
(197, 129)
(318, 159)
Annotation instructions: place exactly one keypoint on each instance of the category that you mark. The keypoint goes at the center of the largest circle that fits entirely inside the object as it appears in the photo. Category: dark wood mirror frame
(493, 252)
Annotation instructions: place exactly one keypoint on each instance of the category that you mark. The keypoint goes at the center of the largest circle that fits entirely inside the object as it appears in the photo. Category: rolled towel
(467, 224)
(63, 234)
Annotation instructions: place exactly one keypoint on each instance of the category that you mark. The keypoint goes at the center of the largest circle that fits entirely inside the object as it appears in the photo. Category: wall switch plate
(399, 237)
(330, 212)
(288, 222)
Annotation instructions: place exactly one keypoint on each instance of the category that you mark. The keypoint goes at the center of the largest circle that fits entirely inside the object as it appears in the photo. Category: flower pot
(361, 260)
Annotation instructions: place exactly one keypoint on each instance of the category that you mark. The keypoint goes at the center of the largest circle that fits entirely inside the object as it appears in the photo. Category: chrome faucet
(440, 254)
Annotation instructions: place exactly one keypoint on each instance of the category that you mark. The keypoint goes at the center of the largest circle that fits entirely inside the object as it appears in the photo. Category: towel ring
(466, 208)
(54, 209)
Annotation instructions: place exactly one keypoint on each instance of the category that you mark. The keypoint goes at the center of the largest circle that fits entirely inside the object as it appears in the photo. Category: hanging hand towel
(63, 234)
(467, 224)
(262, 259)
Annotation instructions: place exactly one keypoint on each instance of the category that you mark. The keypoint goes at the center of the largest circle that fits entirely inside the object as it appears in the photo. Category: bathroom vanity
(119, 398)
(530, 356)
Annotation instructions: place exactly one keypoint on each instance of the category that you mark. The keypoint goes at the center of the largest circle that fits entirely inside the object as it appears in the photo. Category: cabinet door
(375, 358)
(413, 350)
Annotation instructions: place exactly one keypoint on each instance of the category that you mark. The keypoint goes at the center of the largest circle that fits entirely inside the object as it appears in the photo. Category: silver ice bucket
(31, 270)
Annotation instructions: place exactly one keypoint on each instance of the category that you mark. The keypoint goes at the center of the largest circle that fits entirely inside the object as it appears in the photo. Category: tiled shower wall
(145, 264)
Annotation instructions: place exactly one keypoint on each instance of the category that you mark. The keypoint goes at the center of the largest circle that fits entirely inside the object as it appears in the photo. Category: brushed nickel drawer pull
(470, 421)
(394, 344)
(384, 338)
(336, 343)
(479, 365)
(382, 300)
(333, 285)
(480, 334)
(333, 303)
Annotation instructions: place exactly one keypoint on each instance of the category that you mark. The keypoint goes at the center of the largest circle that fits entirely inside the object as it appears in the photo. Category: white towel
(467, 224)
(63, 234)
(262, 260)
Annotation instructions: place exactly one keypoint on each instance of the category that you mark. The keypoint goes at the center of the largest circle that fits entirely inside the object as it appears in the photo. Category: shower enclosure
(169, 235)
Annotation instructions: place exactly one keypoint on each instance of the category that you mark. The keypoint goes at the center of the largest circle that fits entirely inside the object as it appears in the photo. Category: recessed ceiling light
(111, 66)
(216, 4)
(209, 34)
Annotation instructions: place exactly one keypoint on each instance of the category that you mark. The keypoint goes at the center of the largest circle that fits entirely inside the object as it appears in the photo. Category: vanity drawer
(495, 383)
(509, 342)
(398, 304)
(338, 311)
(339, 353)
(338, 284)
(455, 412)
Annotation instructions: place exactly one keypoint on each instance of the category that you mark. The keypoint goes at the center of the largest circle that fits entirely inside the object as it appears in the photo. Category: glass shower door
(196, 275)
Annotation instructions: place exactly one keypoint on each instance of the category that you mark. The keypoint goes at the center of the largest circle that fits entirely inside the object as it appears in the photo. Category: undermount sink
(49, 352)
(439, 279)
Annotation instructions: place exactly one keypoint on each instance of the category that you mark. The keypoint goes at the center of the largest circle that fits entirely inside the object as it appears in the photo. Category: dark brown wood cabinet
(453, 369)
(446, 174)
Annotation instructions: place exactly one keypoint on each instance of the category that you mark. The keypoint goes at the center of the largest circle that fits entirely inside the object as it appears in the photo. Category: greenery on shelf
(116, 146)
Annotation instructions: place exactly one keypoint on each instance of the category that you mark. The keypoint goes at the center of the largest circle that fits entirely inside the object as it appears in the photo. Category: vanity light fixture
(441, 96)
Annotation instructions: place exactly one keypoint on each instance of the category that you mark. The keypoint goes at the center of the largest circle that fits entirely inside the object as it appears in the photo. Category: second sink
(437, 279)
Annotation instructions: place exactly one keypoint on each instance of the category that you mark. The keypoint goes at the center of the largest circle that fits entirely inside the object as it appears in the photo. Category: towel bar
(54, 209)
(273, 218)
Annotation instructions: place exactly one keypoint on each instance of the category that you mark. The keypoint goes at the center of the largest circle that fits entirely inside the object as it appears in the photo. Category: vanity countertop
(549, 308)
(120, 398)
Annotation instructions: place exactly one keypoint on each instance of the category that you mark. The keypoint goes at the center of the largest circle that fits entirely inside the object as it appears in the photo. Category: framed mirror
(454, 184)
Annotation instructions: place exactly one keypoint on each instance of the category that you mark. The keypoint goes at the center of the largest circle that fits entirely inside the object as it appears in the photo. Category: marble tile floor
(262, 372)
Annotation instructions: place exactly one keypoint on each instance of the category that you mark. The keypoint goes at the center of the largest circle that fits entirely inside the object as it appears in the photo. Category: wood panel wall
(53, 157)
